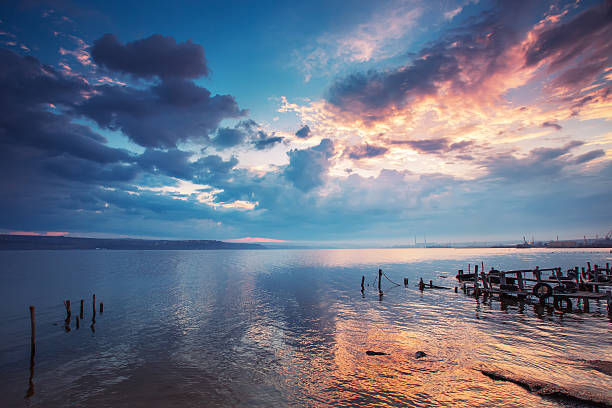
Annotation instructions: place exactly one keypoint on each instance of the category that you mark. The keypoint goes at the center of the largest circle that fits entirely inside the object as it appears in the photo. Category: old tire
(542, 290)
(563, 304)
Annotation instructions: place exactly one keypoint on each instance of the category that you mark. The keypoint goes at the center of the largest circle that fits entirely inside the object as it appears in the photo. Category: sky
(374, 122)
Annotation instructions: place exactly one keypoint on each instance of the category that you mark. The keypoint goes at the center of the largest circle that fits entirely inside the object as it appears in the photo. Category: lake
(289, 328)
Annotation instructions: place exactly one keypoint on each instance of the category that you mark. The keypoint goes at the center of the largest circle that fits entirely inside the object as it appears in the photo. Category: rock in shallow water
(420, 354)
(375, 353)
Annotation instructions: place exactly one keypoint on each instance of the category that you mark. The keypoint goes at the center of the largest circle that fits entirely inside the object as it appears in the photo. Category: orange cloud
(39, 234)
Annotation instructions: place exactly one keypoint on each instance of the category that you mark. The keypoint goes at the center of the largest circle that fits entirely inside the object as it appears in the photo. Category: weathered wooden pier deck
(530, 285)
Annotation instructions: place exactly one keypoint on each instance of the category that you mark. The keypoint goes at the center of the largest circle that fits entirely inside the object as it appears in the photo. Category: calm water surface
(287, 328)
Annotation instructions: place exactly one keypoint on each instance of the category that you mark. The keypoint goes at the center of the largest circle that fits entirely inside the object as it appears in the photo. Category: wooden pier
(534, 286)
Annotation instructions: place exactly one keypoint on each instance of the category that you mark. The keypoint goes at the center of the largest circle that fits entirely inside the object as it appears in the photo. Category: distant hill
(31, 242)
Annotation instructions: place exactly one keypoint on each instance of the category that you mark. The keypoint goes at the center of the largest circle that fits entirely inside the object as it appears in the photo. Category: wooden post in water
(94, 305)
(430, 283)
(585, 302)
(101, 307)
(405, 281)
(537, 273)
(81, 309)
(33, 323)
(476, 270)
(362, 283)
(379, 280)
(609, 299)
(77, 321)
(68, 312)
(519, 280)
(589, 265)
(577, 278)
(456, 290)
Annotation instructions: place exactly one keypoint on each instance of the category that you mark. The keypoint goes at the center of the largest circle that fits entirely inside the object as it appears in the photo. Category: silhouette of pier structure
(534, 286)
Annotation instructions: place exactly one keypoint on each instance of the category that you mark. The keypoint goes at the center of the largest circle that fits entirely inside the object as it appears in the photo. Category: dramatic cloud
(173, 162)
(472, 60)
(153, 56)
(303, 132)
(227, 137)
(587, 34)
(245, 132)
(213, 169)
(454, 135)
(160, 116)
(308, 168)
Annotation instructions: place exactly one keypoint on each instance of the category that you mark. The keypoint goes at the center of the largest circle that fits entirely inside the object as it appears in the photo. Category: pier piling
(362, 283)
(81, 315)
(33, 323)
(101, 307)
(77, 321)
(68, 312)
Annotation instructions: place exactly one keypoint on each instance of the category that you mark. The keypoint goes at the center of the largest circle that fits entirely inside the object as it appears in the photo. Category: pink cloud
(255, 239)
(40, 234)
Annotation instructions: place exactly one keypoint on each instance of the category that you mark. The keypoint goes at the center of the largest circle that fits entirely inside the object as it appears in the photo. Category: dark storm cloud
(466, 57)
(365, 151)
(161, 116)
(86, 171)
(590, 30)
(303, 132)
(551, 124)
(153, 56)
(173, 162)
(26, 83)
(60, 173)
(228, 137)
(308, 168)
(212, 169)
(362, 92)
(176, 163)
(477, 48)
(28, 90)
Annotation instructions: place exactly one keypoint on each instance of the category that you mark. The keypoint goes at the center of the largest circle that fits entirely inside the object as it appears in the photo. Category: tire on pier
(542, 290)
(562, 304)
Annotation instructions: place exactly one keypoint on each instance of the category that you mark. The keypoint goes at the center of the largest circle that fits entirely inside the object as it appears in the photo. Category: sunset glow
(460, 121)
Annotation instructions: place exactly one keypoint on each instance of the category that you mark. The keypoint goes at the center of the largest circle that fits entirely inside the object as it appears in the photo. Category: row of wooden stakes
(68, 318)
